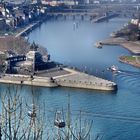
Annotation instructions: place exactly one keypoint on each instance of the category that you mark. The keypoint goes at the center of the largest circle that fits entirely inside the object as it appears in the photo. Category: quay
(28, 29)
(132, 46)
(31, 69)
(27, 80)
(105, 17)
(64, 77)
(78, 79)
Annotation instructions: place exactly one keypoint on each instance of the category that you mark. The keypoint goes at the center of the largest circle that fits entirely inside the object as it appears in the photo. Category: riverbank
(19, 79)
(27, 29)
(132, 46)
(64, 77)
(54, 77)
(132, 60)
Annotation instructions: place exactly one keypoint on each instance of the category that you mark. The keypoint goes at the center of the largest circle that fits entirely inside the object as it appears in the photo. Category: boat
(98, 45)
(113, 34)
(113, 68)
(59, 122)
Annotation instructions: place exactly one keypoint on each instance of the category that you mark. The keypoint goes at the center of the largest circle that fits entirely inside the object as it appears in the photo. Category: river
(114, 114)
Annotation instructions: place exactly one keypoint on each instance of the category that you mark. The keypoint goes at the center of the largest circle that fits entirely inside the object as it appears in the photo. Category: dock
(19, 79)
(132, 46)
(28, 29)
(105, 17)
(64, 77)
(77, 79)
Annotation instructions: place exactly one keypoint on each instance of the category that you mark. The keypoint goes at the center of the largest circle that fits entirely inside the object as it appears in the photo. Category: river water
(115, 115)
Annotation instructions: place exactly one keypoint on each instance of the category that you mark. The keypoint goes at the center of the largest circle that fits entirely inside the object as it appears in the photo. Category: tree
(16, 122)
(20, 121)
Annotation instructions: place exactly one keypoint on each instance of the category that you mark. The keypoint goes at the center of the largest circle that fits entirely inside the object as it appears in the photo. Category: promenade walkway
(25, 30)
(64, 77)
(79, 79)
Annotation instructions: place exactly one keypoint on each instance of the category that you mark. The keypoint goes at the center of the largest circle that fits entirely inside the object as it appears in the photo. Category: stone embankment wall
(71, 78)
(132, 46)
(86, 85)
(27, 80)
(81, 80)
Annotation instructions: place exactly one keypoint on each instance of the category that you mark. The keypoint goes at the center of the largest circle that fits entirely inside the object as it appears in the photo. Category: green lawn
(131, 58)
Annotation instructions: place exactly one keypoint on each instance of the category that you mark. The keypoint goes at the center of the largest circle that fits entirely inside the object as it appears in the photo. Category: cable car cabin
(31, 114)
(58, 122)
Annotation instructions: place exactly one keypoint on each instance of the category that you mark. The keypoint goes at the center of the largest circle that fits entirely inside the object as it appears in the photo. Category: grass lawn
(133, 58)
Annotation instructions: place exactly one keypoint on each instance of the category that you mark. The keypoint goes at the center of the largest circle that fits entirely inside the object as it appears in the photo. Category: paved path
(26, 29)
(65, 77)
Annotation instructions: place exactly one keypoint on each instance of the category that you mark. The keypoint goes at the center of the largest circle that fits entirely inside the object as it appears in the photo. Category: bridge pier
(91, 18)
(55, 17)
(73, 17)
(65, 17)
(82, 17)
